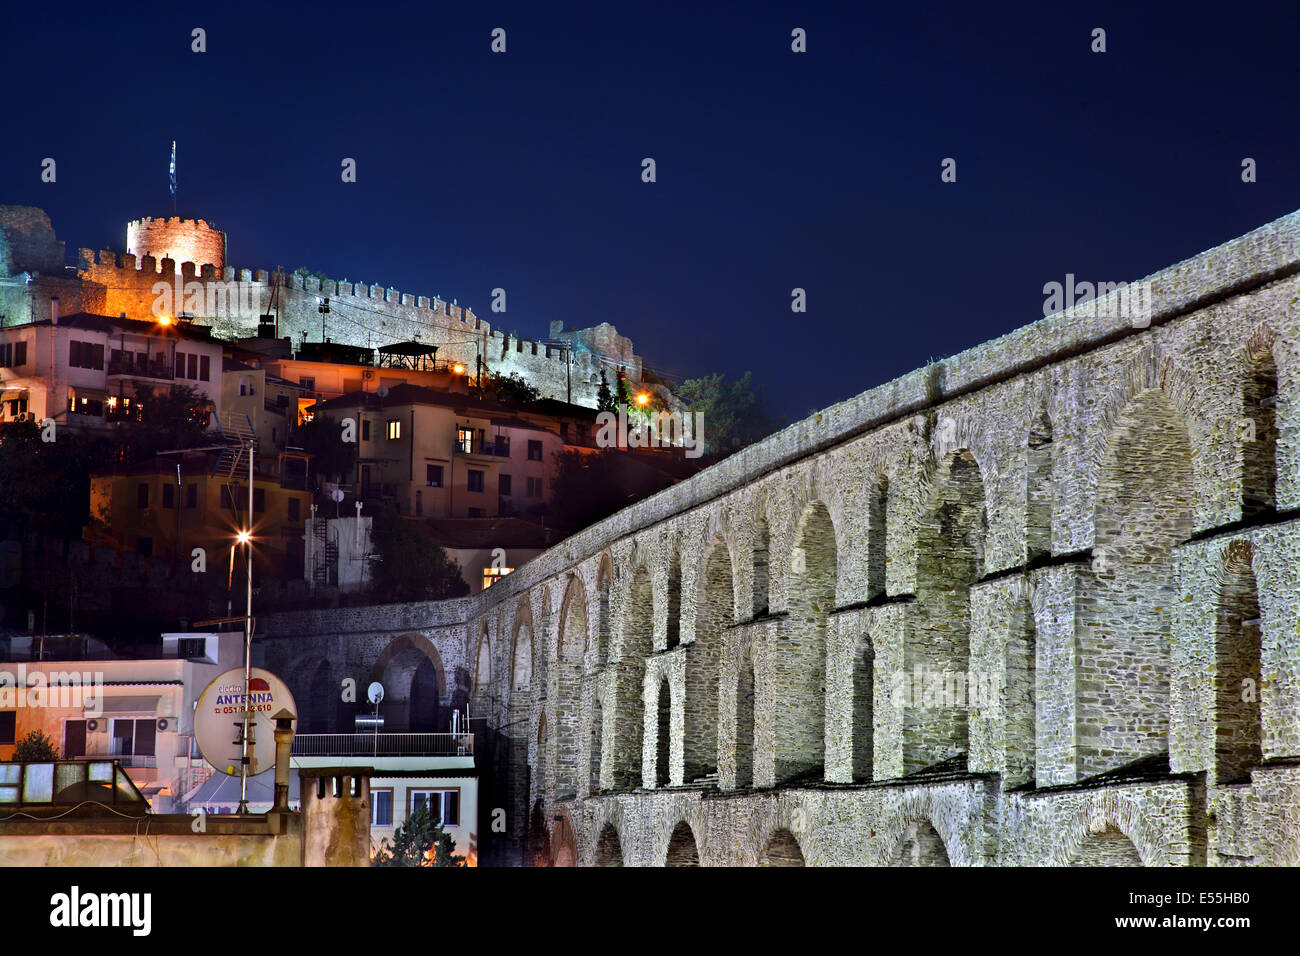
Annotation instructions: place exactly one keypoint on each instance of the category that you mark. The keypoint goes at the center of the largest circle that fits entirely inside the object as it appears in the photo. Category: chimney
(54, 310)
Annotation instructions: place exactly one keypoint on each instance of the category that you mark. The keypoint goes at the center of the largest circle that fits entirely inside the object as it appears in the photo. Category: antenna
(375, 694)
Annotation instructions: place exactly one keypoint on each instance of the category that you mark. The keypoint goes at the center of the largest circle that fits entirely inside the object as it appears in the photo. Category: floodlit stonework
(786, 659)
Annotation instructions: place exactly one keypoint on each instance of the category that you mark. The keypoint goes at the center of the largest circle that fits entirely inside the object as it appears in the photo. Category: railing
(135, 761)
(383, 745)
(123, 366)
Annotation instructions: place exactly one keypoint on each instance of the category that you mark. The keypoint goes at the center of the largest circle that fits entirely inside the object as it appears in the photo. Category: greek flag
(173, 169)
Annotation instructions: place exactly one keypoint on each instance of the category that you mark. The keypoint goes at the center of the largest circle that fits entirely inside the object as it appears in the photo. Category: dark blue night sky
(775, 169)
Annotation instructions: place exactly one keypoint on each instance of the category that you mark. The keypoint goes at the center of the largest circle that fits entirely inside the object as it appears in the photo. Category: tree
(512, 389)
(604, 398)
(45, 486)
(590, 487)
(35, 746)
(322, 438)
(414, 839)
(734, 413)
(408, 565)
(175, 417)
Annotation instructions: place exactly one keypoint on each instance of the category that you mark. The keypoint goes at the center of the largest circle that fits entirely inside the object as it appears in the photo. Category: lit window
(394, 429)
(492, 575)
(465, 440)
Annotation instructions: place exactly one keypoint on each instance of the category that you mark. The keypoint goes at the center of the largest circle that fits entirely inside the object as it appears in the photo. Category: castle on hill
(183, 263)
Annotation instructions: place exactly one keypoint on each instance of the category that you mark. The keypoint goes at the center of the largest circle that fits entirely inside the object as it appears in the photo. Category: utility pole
(248, 645)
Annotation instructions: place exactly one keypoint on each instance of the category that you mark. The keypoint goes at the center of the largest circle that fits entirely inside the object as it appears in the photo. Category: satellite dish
(382, 391)
(375, 692)
(336, 495)
(219, 711)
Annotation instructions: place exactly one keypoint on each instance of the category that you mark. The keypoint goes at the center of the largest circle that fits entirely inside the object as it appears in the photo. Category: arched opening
(1143, 510)
(664, 737)
(949, 559)
(1238, 735)
(782, 849)
(762, 588)
(537, 844)
(609, 849)
(863, 710)
(566, 850)
(522, 676)
(320, 692)
(1039, 489)
(920, 845)
(674, 622)
(414, 686)
(597, 744)
(714, 613)
(1259, 466)
(483, 665)
(1107, 847)
(572, 641)
(682, 850)
(800, 698)
(877, 538)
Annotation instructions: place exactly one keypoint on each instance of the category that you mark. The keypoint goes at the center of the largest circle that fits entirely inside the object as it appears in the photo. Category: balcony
(127, 365)
(383, 745)
(483, 448)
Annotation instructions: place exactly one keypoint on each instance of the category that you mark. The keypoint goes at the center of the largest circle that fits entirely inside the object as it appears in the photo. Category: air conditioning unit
(165, 722)
(92, 725)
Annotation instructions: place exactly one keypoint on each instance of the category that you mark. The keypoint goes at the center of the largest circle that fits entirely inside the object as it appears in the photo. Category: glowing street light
(642, 398)
(458, 369)
(164, 320)
(243, 537)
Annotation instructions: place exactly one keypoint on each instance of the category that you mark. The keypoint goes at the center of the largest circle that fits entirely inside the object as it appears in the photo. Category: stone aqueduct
(1095, 518)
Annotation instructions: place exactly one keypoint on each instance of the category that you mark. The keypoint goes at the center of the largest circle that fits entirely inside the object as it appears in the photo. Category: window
(133, 738)
(259, 500)
(191, 647)
(191, 496)
(295, 510)
(205, 370)
(169, 495)
(492, 575)
(180, 369)
(503, 446)
(13, 354)
(394, 429)
(474, 480)
(17, 406)
(534, 450)
(365, 429)
(465, 440)
(503, 485)
(534, 487)
(8, 726)
(433, 476)
(86, 355)
(82, 404)
(381, 807)
(444, 805)
(308, 382)
(142, 495)
(192, 360)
